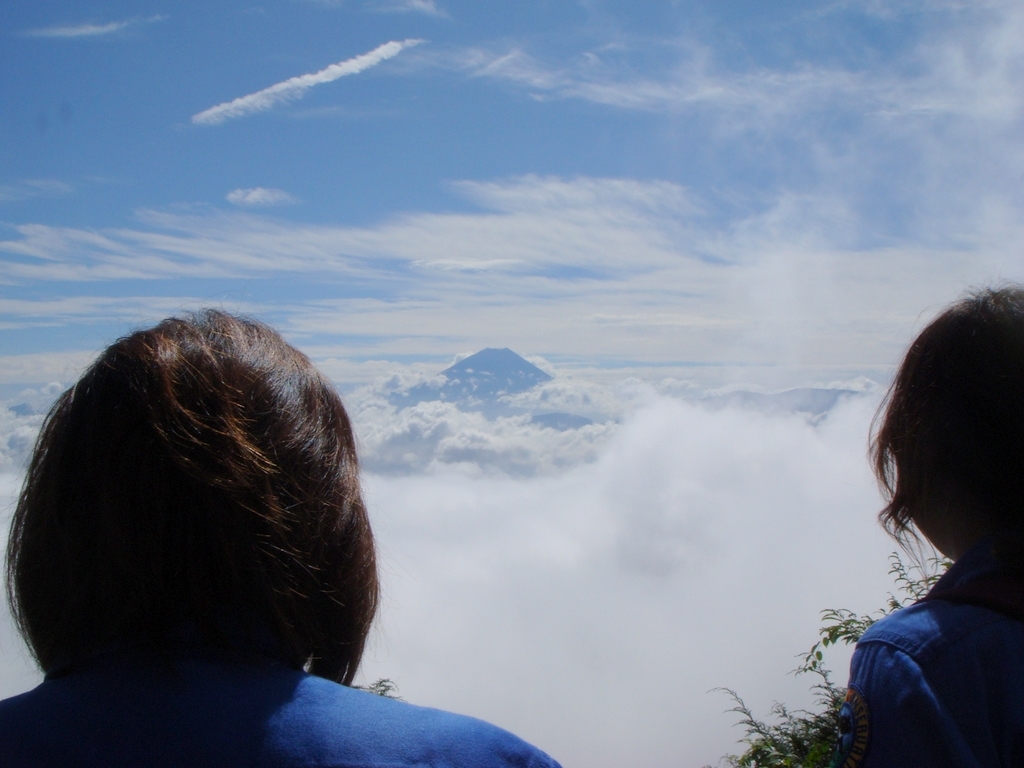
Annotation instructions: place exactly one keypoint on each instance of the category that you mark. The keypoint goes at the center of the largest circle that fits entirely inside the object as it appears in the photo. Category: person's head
(949, 450)
(201, 473)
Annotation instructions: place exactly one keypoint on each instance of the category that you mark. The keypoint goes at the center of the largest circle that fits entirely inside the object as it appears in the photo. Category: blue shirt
(941, 684)
(208, 708)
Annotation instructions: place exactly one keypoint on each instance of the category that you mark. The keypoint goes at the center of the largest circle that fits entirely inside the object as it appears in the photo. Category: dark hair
(201, 473)
(953, 423)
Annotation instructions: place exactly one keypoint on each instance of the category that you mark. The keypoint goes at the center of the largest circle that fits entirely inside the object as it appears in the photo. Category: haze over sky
(650, 200)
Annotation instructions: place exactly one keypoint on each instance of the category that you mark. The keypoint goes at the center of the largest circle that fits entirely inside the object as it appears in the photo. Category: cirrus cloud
(89, 30)
(258, 197)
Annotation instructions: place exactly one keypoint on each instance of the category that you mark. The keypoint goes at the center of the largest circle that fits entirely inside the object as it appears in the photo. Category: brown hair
(201, 473)
(953, 423)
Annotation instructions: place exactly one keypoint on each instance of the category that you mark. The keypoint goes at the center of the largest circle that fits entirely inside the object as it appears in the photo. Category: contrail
(295, 87)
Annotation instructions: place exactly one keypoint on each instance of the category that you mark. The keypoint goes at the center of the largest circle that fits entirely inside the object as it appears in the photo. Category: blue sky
(653, 201)
(602, 183)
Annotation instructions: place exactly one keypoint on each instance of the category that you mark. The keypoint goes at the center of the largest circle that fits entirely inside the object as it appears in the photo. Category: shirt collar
(976, 562)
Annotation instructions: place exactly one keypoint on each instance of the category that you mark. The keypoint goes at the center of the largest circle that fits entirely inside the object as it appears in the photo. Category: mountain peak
(481, 378)
(493, 360)
(489, 374)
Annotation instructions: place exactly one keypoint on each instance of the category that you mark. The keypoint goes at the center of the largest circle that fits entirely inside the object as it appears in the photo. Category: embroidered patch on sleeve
(854, 729)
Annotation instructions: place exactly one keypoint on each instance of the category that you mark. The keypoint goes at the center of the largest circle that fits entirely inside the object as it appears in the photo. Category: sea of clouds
(589, 588)
(435, 434)
(593, 606)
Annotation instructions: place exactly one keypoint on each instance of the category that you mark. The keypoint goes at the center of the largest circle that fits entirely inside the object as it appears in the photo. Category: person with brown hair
(941, 683)
(191, 563)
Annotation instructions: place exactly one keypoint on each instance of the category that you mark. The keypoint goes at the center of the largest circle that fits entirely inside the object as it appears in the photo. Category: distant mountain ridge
(484, 381)
(812, 401)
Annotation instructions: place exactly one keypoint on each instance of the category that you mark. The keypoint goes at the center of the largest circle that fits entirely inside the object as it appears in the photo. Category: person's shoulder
(11, 709)
(938, 683)
(253, 714)
(27, 706)
(925, 629)
(24, 722)
(355, 726)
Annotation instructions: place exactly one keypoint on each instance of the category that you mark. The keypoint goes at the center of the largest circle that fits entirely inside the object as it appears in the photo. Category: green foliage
(383, 687)
(806, 739)
(797, 738)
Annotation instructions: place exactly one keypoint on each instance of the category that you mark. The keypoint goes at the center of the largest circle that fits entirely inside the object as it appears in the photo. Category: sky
(653, 202)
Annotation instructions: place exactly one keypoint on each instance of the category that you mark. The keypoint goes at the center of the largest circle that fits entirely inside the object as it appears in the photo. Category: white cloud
(31, 188)
(18, 672)
(894, 8)
(607, 269)
(537, 222)
(90, 30)
(429, 7)
(35, 367)
(592, 610)
(695, 84)
(295, 87)
(19, 427)
(434, 435)
(258, 197)
(80, 30)
(79, 310)
(966, 68)
(579, 396)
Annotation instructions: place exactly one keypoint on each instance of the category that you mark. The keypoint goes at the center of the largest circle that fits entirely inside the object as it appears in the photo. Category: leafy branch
(840, 625)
